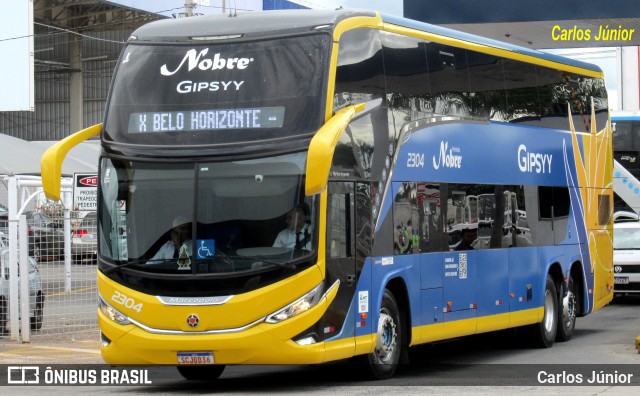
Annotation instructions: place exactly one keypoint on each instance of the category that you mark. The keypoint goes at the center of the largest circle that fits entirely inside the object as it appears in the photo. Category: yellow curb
(46, 349)
(94, 351)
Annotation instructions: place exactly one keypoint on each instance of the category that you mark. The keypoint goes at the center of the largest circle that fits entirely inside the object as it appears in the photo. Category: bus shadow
(445, 363)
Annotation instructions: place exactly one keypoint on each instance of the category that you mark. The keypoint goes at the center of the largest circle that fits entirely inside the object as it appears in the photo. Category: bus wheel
(36, 319)
(544, 333)
(383, 361)
(567, 313)
(201, 373)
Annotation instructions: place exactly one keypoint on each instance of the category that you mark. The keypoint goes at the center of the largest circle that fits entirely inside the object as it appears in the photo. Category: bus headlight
(297, 307)
(112, 313)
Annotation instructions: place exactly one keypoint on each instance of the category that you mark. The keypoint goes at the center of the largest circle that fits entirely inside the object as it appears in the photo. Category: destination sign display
(206, 120)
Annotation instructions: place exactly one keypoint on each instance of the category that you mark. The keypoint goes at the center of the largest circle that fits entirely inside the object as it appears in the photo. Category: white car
(84, 240)
(36, 297)
(626, 253)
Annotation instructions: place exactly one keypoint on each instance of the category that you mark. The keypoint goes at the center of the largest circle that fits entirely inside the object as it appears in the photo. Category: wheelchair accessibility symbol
(206, 248)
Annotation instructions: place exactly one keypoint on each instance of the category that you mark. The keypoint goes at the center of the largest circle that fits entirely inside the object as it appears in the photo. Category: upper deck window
(218, 93)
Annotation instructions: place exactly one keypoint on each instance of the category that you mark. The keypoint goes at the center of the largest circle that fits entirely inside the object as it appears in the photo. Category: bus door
(459, 283)
(341, 258)
(459, 264)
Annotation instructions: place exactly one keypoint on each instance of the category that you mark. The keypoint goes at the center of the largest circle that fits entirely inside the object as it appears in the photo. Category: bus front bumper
(263, 343)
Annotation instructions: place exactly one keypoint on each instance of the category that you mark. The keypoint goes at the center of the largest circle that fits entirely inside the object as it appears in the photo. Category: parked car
(626, 253)
(46, 238)
(36, 296)
(4, 218)
(84, 240)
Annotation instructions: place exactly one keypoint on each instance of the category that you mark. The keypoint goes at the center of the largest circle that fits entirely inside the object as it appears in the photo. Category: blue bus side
(497, 281)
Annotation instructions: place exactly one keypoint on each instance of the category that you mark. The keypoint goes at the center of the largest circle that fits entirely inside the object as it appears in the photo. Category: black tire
(37, 256)
(544, 333)
(201, 373)
(3, 318)
(383, 361)
(568, 308)
(36, 319)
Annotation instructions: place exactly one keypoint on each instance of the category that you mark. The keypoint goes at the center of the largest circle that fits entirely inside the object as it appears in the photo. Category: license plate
(620, 280)
(195, 358)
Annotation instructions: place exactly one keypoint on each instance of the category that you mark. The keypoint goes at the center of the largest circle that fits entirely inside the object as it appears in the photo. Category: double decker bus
(626, 150)
(626, 139)
(378, 134)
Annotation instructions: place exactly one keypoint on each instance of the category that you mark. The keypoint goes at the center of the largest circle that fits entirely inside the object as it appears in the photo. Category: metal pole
(188, 8)
(13, 257)
(25, 312)
(66, 201)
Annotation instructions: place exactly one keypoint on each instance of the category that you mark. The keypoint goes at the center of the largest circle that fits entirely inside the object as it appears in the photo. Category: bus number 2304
(126, 301)
(415, 160)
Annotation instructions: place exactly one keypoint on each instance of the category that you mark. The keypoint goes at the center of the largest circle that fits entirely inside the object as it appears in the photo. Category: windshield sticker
(184, 262)
(206, 248)
(363, 301)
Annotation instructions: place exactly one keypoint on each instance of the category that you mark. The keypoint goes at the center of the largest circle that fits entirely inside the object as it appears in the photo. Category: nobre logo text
(195, 59)
(449, 157)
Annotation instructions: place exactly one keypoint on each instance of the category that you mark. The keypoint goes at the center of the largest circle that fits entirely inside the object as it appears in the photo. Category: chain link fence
(62, 276)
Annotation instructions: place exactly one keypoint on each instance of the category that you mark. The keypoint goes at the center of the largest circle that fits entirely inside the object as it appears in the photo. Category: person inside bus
(468, 236)
(180, 243)
(297, 234)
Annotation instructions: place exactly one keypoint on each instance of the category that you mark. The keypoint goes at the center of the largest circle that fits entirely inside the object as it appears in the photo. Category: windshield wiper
(151, 262)
(283, 264)
(214, 259)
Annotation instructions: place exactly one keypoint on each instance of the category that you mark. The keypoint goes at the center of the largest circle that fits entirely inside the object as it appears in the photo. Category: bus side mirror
(322, 147)
(51, 161)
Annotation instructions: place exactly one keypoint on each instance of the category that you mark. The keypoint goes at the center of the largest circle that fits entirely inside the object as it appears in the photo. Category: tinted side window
(339, 230)
(405, 219)
(600, 102)
(360, 73)
(554, 202)
(407, 77)
(430, 218)
(554, 98)
(494, 214)
(559, 90)
(487, 97)
(364, 146)
(624, 137)
(449, 79)
(523, 102)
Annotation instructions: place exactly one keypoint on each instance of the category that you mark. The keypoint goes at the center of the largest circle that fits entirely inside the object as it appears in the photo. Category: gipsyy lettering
(530, 162)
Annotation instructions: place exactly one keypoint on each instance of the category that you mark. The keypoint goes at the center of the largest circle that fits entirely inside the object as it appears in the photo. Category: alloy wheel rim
(386, 337)
(549, 311)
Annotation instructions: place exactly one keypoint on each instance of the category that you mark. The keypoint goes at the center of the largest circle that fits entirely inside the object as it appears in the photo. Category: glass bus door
(341, 257)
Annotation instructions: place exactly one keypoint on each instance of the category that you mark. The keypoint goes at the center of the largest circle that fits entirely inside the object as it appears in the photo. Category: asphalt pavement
(79, 348)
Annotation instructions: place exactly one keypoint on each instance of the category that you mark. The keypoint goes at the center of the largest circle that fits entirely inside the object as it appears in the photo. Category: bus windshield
(231, 220)
(213, 94)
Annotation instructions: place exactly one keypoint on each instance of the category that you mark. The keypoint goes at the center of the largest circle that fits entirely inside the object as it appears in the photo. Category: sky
(15, 27)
